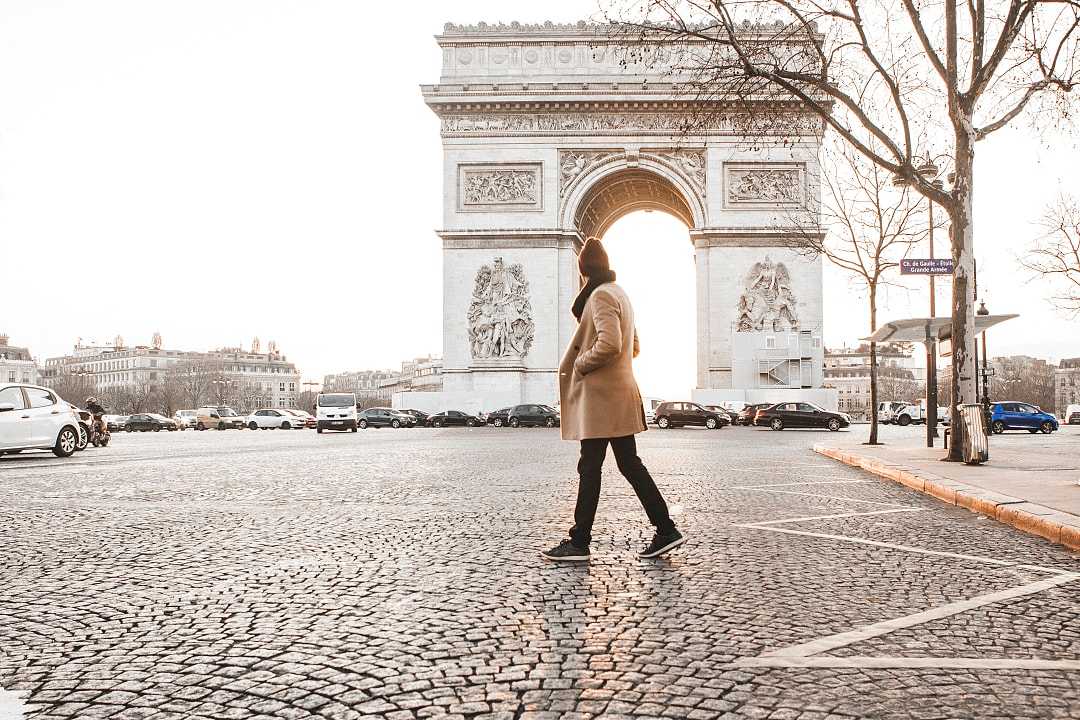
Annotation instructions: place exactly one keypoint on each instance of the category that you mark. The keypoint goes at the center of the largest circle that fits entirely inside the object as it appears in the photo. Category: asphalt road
(285, 574)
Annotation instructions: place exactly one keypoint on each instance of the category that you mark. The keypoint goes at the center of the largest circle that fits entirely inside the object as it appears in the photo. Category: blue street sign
(926, 266)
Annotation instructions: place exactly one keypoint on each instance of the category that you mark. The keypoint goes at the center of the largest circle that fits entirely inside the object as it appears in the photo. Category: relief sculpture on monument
(500, 315)
(767, 303)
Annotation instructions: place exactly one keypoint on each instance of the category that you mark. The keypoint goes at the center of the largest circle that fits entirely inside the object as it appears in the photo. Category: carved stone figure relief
(767, 302)
(766, 185)
(482, 187)
(618, 123)
(500, 316)
(574, 163)
(690, 162)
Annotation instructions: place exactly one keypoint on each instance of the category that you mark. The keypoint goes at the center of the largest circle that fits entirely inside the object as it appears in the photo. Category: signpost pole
(931, 351)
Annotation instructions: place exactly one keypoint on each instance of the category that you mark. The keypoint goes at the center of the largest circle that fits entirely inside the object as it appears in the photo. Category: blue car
(1020, 416)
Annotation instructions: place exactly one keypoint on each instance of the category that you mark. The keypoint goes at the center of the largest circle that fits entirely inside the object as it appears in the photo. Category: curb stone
(1058, 527)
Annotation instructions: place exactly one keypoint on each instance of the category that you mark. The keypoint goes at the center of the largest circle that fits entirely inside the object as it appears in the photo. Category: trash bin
(976, 443)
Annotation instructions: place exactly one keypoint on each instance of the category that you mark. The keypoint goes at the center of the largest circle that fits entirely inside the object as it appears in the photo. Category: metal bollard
(976, 441)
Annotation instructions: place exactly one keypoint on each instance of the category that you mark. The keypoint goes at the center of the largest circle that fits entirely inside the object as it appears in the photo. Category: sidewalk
(1031, 482)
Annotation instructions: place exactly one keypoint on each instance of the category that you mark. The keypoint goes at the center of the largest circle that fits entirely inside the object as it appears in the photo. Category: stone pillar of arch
(550, 137)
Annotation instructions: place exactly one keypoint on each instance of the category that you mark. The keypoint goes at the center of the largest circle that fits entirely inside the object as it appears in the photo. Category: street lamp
(929, 170)
(985, 371)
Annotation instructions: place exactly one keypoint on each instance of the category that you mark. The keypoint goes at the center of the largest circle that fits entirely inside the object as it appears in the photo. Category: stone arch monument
(551, 134)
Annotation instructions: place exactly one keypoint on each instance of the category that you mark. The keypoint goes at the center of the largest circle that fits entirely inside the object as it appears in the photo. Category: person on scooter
(97, 411)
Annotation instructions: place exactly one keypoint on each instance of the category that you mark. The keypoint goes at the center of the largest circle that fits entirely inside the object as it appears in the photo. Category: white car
(35, 418)
(272, 419)
(186, 418)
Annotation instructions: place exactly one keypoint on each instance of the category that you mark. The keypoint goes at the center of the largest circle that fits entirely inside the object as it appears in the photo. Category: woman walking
(601, 406)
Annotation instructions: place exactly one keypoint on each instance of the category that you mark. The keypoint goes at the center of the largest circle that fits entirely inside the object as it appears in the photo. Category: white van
(335, 411)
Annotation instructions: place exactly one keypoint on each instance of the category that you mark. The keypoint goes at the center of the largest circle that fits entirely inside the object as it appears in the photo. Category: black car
(747, 414)
(419, 415)
(499, 417)
(800, 415)
(448, 418)
(679, 414)
(150, 422)
(536, 415)
(727, 417)
(379, 417)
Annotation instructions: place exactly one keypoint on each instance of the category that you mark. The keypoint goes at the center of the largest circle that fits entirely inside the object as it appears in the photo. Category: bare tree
(194, 378)
(1055, 255)
(870, 225)
(891, 79)
(1024, 382)
(74, 388)
(170, 392)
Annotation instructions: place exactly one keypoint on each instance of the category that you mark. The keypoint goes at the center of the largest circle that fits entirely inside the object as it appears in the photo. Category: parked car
(307, 420)
(418, 415)
(335, 411)
(219, 417)
(380, 417)
(499, 418)
(749, 412)
(680, 414)
(150, 422)
(115, 423)
(35, 418)
(727, 416)
(1020, 416)
(1072, 415)
(186, 418)
(800, 415)
(535, 415)
(272, 419)
(448, 418)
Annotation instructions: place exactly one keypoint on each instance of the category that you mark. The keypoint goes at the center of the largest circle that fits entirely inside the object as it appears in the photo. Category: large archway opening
(643, 220)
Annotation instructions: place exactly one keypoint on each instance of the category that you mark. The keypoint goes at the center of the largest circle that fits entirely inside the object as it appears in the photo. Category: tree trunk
(963, 305)
(873, 367)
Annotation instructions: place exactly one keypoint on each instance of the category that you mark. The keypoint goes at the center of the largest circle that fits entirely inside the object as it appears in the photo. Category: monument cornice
(496, 238)
(745, 236)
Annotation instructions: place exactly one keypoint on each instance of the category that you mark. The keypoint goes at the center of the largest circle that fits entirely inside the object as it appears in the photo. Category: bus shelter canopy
(920, 329)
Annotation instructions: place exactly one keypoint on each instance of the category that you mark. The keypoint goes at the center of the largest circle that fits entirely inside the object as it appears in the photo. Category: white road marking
(12, 706)
(908, 662)
(797, 484)
(832, 497)
(760, 525)
(831, 642)
(806, 655)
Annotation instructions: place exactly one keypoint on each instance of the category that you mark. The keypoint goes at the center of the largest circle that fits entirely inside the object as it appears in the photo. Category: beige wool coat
(597, 389)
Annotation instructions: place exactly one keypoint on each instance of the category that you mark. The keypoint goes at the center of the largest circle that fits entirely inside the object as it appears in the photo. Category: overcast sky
(216, 170)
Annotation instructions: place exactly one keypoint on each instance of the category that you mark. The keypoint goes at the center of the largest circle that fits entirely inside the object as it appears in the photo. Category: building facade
(16, 364)
(550, 134)
(847, 370)
(246, 380)
(1066, 387)
(365, 383)
(422, 374)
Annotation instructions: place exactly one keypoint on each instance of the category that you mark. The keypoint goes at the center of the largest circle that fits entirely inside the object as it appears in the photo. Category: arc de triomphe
(550, 136)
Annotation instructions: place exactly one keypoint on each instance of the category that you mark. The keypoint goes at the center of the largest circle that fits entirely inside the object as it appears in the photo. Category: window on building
(11, 376)
(770, 342)
(281, 387)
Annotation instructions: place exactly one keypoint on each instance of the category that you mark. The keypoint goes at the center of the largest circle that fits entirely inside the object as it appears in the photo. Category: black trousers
(593, 452)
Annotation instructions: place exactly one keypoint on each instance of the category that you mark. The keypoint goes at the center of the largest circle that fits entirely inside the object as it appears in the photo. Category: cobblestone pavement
(396, 574)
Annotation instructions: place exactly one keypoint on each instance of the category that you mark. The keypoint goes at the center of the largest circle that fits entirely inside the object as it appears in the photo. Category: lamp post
(930, 171)
(982, 311)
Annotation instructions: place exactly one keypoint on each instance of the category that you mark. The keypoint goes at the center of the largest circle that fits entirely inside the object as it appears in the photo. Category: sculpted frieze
(767, 185)
(620, 123)
(482, 187)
